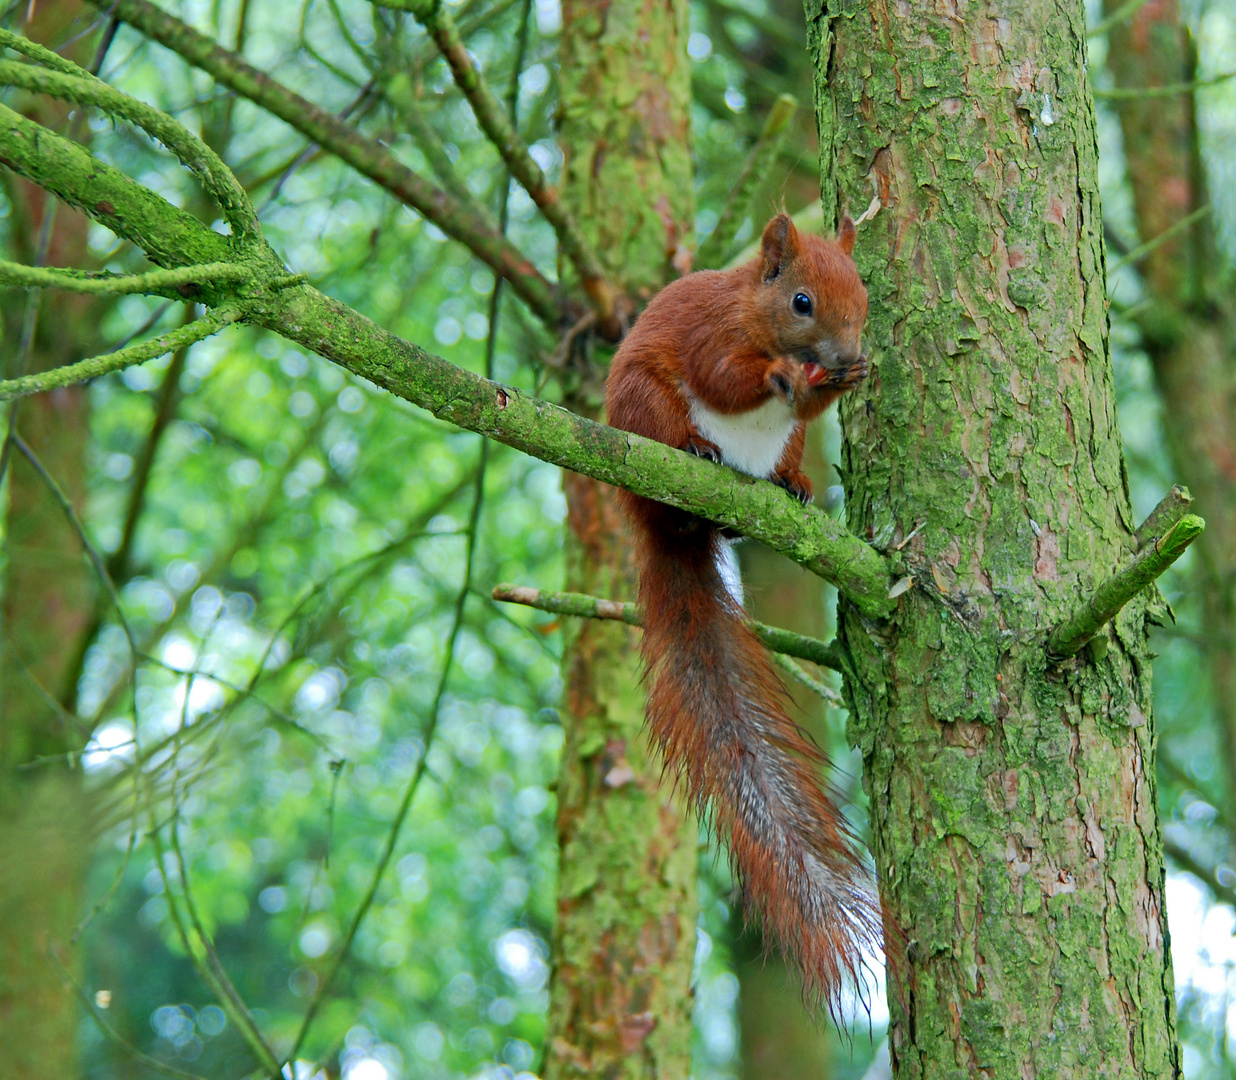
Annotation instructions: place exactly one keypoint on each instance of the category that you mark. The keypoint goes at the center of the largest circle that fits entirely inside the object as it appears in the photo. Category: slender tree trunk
(47, 599)
(1013, 800)
(620, 1004)
(1189, 330)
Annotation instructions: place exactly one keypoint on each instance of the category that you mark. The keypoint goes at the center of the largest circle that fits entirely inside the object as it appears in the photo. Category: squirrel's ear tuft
(846, 232)
(779, 244)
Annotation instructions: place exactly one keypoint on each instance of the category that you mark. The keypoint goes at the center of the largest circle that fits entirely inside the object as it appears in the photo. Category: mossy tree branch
(1172, 507)
(194, 154)
(583, 606)
(1107, 600)
(367, 156)
(174, 284)
(756, 508)
(300, 313)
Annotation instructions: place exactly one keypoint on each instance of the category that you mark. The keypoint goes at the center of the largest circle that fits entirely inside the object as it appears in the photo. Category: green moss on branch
(1172, 507)
(168, 235)
(175, 284)
(194, 154)
(756, 508)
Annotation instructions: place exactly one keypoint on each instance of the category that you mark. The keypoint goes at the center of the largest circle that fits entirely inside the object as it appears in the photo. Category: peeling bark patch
(1047, 555)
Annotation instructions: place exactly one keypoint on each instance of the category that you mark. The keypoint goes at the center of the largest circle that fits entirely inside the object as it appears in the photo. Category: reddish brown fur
(716, 707)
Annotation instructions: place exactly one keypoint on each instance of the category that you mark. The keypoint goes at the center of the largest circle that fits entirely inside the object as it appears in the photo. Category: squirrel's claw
(701, 447)
(796, 483)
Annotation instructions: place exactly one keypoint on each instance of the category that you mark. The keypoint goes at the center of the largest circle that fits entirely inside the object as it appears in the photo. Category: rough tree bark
(625, 937)
(1189, 328)
(1013, 801)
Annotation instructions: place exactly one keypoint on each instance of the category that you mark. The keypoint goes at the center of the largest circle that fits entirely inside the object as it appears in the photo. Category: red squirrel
(730, 365)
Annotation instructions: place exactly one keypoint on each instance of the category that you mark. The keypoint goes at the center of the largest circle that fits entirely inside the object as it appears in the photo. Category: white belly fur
(751, 442)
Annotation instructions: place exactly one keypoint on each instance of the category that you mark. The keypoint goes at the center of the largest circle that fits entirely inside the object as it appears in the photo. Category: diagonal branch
(300, 313)
(496, 124)
(1107, 600)
(402, 97)
(367, 156)
(1142, 250)
(88, 1003)
(756, 508)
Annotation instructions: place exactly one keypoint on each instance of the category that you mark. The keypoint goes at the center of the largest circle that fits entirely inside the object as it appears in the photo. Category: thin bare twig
(583, 606)
(498, 127)
(112, 1034)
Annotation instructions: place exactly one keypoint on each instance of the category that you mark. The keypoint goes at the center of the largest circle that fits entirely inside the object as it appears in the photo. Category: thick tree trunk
(47, 599)
(1189, 329)
(620, 1004)
(1013, 801)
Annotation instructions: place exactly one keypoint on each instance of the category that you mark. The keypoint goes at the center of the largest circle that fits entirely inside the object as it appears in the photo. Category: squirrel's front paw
(701, 447)
(786, 379)
(796, 483)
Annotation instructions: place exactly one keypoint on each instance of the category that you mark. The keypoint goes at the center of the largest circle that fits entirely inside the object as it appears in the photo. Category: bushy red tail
(716, 710)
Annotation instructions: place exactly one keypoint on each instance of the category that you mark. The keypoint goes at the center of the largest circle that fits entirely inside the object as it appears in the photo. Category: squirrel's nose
(845, 355)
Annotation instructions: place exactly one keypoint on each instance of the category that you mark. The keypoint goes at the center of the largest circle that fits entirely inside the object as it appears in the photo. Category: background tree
(625, 932)
(1172, 308)
(48, 599)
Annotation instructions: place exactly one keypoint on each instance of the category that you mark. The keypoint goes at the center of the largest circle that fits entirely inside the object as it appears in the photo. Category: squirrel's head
(811, 297)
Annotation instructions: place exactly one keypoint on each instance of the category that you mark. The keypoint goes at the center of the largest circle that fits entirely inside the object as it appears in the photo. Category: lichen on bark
(1013, 803)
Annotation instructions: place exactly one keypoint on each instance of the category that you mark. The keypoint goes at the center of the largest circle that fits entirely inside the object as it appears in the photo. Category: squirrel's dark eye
(802, 304)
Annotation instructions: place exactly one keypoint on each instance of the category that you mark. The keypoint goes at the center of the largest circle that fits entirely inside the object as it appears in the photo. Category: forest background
(305, 564)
